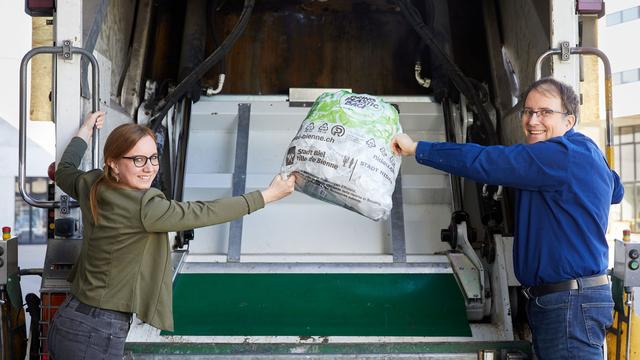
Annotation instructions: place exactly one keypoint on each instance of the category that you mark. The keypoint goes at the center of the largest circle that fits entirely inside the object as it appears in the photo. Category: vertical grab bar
(607, 88)
(22, 147)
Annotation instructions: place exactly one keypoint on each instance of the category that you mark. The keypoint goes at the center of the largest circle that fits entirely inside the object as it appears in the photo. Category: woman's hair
(120, 141)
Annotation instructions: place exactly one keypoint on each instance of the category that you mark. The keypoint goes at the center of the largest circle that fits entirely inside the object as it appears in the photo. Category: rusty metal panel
(366, 46)
(41, 78)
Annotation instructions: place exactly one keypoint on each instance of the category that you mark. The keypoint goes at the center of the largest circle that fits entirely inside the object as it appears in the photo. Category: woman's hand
(280, 187)
(402, 144)
(93, 119)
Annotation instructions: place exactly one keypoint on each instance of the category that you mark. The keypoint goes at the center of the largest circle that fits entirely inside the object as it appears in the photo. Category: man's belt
(573, 284)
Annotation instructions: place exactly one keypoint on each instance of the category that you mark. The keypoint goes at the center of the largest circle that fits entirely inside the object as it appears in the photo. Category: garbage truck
(225, 86)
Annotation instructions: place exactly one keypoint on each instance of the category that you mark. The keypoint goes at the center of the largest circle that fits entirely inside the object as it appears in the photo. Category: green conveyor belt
(318, 305)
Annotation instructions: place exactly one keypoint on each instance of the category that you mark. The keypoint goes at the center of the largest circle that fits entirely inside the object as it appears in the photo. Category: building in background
(27, 222)
(16, 30)
(618, 33)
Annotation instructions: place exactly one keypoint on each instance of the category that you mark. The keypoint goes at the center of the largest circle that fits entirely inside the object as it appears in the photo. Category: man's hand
(402, 144)
(280, 187)
(93, 119)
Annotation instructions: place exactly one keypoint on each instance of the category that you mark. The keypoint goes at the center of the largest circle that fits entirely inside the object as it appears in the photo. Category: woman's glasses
(141, 160)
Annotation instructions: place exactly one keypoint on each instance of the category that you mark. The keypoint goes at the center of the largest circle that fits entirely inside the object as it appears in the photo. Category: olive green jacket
(125, 262)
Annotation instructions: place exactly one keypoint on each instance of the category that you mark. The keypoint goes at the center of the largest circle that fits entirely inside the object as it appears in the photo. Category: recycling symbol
(337, 130)
(309, 127)
(323, 128)
(371, 143)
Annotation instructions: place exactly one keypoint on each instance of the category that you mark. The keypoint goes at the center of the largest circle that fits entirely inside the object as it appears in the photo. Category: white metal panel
(68, 26)
(67, 108)
(300, 224)
(564, 27)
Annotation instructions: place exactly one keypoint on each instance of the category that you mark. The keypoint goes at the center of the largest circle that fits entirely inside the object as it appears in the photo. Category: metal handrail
(66, 50)
(607, 89)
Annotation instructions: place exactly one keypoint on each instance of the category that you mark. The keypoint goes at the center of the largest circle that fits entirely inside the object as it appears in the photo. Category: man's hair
(550, 86)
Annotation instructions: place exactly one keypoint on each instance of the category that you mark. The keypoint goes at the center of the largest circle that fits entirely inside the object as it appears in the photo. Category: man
(564, 189)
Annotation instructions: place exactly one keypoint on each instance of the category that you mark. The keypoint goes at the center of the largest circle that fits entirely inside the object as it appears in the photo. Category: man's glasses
(141, 160)
(527, 113)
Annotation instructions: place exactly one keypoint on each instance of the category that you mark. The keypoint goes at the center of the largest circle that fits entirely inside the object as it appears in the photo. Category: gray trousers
(81, 331)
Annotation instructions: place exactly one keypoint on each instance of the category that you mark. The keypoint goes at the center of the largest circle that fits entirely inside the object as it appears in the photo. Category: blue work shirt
(564, 191)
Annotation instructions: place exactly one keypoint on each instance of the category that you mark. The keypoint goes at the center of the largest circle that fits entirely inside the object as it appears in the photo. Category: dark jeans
(80, 331)
(571, 324)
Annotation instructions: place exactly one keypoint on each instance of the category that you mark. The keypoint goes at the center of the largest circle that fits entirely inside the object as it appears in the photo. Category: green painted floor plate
(318, 305)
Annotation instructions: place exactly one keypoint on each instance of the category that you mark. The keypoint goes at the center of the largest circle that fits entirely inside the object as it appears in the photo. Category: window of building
(623, 16)
(625, 77)
(614, 18)
(630, 14)
(617, 78)
(627, 149)
(31, 222)
(629, 76)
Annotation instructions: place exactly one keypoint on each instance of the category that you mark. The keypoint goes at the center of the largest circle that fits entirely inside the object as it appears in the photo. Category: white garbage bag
(342, 153)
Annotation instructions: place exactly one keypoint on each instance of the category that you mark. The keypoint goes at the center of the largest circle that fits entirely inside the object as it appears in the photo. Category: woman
(124, 265)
